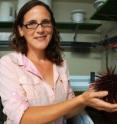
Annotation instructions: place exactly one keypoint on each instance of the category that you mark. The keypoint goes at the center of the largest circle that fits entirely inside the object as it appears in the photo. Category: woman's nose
(40, 28)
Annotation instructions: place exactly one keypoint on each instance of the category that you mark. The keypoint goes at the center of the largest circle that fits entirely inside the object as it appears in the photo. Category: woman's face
(37, 28)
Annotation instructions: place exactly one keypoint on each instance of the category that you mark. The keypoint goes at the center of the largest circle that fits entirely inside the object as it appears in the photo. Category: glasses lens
(32, 25)
(46, 23)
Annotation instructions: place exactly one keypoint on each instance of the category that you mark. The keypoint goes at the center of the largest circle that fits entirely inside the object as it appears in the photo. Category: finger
(99, 94)
(91, 86)
(113, 110)
(102, 105)
(113, 107)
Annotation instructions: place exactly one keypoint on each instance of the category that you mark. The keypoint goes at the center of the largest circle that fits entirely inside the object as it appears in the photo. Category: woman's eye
(33, 23)
(46, 23)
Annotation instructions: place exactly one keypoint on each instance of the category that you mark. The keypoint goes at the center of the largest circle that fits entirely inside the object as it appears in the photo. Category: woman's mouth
(40, 37)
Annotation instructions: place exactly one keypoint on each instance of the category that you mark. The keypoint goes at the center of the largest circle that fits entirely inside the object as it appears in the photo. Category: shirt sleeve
(13, 96)
(69, 88)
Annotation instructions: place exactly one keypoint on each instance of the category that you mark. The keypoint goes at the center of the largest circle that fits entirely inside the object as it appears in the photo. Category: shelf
(110, 42)
(106, 12)
(62, 25)
(84, 1)
(77, 44)
(80, 47)
(5, 46)
(6, 24)
(67, 46)
(67, 26)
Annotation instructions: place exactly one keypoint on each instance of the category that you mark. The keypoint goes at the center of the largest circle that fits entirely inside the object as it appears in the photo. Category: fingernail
(105, 92)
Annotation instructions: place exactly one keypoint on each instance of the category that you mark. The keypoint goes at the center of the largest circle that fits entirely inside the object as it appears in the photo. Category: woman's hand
(93, 99)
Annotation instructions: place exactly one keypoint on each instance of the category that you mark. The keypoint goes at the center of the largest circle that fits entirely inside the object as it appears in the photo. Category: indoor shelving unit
(65, 27)
(106, 12)
(81, 26)
(62, 27)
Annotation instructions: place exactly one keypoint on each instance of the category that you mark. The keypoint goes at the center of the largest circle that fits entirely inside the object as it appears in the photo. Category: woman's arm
(21, 112)
(93, 99)
(47, 114)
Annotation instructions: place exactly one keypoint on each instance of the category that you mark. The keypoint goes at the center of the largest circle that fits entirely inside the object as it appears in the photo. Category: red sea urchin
(107, 81)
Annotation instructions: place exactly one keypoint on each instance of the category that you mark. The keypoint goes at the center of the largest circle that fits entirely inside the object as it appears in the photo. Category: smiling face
(37, 28)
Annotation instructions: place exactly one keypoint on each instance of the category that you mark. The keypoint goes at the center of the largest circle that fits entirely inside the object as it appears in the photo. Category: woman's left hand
(93, 99)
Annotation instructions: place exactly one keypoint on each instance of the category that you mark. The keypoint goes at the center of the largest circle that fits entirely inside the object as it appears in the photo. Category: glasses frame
(43, 24)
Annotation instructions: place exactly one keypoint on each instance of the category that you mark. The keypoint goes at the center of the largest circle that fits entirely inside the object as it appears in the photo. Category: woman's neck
(37, 56)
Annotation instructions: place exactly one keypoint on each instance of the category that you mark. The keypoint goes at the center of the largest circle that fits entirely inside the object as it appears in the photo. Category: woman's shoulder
(11, 56)
(63, 66)
(64, 63)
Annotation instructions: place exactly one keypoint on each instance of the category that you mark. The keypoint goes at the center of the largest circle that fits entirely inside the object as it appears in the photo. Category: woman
(34, 84)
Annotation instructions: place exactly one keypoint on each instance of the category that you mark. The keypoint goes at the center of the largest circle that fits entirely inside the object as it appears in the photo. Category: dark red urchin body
(107, 81)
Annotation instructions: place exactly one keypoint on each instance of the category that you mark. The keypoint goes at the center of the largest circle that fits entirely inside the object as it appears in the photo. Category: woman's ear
(20, 31)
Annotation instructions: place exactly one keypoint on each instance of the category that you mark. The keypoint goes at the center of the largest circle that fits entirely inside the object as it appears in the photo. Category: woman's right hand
(93, 99)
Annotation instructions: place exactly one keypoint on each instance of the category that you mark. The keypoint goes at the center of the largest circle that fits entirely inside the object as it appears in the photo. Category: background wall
(93, 61)
(79, 64)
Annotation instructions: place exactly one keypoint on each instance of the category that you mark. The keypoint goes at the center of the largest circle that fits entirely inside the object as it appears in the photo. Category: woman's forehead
(37, 12)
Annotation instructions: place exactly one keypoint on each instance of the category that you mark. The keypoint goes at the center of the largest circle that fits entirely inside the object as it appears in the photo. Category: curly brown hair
(53, 51)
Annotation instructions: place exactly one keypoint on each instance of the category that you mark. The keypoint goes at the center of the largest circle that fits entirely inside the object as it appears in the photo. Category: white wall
(80, 64)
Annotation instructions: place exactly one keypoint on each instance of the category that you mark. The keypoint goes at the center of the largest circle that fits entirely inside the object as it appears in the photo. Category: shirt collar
(23, 61)
(26, 63)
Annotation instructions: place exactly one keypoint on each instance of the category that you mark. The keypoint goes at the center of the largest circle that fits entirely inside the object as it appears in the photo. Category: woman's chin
(40, 47)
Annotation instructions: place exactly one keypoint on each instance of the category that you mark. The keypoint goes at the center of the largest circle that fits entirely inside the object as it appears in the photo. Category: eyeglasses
(33, 24)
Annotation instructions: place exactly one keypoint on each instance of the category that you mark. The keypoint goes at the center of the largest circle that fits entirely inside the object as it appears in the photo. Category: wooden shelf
(106, 12)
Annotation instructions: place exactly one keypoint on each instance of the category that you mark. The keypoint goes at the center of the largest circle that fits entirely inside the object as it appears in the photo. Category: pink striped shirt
(21, 86)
